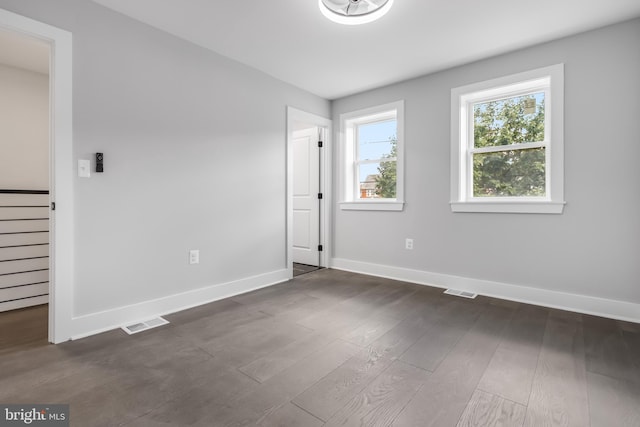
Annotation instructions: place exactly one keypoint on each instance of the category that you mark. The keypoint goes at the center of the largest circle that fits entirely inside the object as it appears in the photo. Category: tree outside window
(510, 166)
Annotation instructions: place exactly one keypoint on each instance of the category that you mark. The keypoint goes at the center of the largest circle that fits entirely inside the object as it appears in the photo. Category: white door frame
(61, 231)
(295, 115)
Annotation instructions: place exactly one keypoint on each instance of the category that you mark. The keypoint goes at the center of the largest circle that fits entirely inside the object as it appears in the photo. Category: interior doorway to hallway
(24, 171)
(61, 170)
(308, 199)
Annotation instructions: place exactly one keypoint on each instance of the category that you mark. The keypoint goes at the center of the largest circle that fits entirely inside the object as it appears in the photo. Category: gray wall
(194, 147)
(592, 249)
(24, 129)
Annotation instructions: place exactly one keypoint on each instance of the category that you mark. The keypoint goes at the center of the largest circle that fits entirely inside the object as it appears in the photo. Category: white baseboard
(613, 309)
(95, 323)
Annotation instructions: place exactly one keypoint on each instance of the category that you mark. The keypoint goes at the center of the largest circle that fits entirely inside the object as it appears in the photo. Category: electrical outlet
(408, 244)
(194, 256)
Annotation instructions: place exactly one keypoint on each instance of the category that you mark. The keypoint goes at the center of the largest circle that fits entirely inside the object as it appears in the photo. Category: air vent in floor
(143, 326)
(464, 294)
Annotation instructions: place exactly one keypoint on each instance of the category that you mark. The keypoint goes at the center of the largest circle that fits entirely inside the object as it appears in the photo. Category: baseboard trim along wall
(613, 309)
(95, 323)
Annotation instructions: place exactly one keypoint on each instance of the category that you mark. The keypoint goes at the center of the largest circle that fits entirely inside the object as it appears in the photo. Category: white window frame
(549, 80)
(350, 191)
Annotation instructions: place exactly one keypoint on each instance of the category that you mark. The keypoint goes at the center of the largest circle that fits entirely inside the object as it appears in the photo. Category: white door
(306, 186)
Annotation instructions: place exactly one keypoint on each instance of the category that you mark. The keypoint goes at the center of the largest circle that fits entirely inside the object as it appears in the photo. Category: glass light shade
(354, 12)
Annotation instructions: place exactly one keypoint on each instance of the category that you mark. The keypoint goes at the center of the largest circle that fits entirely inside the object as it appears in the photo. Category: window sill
(372, 206)
(509, 207)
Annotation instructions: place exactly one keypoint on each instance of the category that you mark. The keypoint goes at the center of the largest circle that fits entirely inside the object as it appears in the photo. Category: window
(372, 158)
(507, 144)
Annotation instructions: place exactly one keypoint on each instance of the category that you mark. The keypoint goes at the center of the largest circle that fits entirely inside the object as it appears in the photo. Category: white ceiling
(24, 52)
(292, 41)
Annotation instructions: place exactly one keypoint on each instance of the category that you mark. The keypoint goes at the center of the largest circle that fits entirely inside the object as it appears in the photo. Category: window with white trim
(507, 151)
(372, 160)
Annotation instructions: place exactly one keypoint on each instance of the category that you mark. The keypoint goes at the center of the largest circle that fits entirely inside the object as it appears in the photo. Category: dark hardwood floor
(335, 348)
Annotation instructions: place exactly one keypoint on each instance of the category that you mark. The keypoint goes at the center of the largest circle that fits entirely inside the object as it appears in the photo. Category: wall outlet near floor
(408, 244)
(194, 256)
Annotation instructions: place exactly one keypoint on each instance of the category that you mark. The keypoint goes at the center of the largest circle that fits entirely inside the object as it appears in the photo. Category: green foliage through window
(515, 171)
(386, 178)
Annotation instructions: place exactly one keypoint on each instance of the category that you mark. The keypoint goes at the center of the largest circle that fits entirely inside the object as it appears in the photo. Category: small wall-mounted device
(99, 162)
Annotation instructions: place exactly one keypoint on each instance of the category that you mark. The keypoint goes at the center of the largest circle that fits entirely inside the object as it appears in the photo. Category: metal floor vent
(143, 326)
(464, 294)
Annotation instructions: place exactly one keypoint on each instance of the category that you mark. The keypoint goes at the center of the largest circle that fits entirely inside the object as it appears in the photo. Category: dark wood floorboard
(613, 402)
(632, 341)
(606, 350)
(613, 371)
(336, 348)
(455, 319)
(511, 370)
(328, 395)
(265, 367)
(24, 328)
(486, 409)
(290, 415)
(382, 400)
(264, 401)
(559, 392)
(254, 340)
(446, 393)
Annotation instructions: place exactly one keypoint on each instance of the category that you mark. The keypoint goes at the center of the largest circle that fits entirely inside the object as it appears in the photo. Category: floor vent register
(464, 294)
(144, 326)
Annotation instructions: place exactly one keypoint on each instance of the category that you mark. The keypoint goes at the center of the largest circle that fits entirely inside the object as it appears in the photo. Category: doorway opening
(60, 266)
(24, 187)
(307, 196)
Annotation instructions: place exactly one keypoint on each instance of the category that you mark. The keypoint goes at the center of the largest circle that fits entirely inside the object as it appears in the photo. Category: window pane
(509, 173)
(509, 121)
(377, 180)
(377, 140)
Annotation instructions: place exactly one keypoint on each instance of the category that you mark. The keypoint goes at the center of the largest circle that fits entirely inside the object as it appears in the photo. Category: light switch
(84, 168)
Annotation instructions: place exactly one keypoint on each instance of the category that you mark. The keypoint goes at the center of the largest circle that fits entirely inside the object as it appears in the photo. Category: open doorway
(24, 187)
(60, 152)
(307, 195)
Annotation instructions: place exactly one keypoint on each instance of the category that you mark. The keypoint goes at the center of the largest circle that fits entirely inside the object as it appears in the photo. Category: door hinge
(319, 248)
(319, 144)
(319, 195)
(53, 206)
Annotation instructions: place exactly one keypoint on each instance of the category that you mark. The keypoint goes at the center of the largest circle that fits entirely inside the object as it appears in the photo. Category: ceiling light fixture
(354, 12)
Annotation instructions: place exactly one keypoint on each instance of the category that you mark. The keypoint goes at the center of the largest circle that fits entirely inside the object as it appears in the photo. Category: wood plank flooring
(332, 348)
